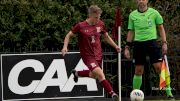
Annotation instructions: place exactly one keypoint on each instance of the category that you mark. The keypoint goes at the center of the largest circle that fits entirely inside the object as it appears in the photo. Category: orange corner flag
(165, 74)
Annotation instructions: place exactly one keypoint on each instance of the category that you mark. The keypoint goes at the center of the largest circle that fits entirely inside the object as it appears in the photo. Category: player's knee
(91, 75)
(157, 67)
(139, 71)
(100, 76)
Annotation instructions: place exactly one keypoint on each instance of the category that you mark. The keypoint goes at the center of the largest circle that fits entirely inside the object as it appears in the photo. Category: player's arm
(66, 42)
(163, 37)
(129, 39)
(130, 36)
(162, 32)
(109, 40)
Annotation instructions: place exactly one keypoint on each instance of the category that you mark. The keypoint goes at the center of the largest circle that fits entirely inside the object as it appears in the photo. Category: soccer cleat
(115, 97)
(75, 76)
(171, 98)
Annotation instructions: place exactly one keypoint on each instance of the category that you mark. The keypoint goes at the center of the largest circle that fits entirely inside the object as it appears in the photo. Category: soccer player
(143, 25)
(89, 34)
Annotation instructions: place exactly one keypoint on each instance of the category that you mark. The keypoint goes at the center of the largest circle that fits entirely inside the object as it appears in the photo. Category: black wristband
(129, 44)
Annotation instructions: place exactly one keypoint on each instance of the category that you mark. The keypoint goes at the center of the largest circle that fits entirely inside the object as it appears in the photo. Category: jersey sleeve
(104, 29)
(75, 29)
(158, 18)
(130, 23)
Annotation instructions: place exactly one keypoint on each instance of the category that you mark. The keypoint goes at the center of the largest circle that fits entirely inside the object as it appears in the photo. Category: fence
(150, 78)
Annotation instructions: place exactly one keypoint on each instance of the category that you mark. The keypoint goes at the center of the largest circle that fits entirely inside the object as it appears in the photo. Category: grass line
(160, 100)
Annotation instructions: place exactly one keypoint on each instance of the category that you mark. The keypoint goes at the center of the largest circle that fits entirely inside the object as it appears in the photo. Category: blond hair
(94, 9)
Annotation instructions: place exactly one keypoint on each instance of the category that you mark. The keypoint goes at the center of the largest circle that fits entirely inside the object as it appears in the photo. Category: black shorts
(146, 48)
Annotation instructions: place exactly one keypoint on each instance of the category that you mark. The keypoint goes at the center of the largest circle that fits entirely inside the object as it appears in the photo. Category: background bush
(43, 24)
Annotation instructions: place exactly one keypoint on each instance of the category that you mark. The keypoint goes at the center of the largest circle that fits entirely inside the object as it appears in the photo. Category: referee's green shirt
(144, 24)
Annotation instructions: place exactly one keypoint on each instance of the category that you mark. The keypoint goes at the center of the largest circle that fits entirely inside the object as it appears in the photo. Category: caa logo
(39, 86)
(63, 82)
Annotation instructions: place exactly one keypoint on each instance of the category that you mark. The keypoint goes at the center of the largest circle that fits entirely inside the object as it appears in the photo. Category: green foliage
(44, 23)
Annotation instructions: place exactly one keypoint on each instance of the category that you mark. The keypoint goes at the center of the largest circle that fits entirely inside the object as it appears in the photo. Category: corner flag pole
(116, 33)
(119, 61)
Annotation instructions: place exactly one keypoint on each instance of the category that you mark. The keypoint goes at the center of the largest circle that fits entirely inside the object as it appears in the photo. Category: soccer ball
(137, 95)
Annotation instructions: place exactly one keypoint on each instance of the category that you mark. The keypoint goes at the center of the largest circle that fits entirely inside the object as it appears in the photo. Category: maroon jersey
(89, 39)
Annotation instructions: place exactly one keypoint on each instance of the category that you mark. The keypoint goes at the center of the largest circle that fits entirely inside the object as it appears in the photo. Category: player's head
(94, 13)
(142, 3)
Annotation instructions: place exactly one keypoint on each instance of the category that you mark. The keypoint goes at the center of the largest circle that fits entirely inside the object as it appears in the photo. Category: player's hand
(164, 49)
(127, 53)
(118, 49)
(64, 51)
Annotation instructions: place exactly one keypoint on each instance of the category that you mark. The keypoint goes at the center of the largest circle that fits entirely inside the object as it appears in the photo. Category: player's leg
(83, 73)
(156, 60)
(91, 64)
(139, 56)
(157, 67)
(98, 72)
(155, 56)
(137, 79)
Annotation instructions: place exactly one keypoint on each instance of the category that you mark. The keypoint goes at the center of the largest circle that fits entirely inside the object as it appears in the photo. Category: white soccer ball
(137, 95)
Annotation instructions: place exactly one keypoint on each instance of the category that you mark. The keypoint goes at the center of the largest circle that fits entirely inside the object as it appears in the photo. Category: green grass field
(160, 100)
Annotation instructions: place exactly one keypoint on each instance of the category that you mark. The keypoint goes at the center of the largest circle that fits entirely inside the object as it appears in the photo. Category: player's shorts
(92, 63)
(146, 48)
